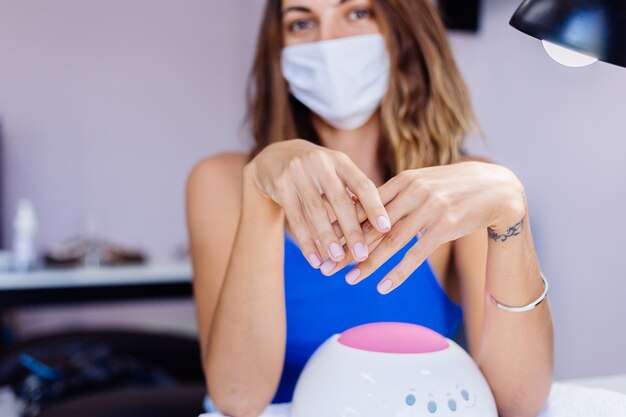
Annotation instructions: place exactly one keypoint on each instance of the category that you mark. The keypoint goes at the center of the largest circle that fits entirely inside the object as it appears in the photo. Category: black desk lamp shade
(591, 27)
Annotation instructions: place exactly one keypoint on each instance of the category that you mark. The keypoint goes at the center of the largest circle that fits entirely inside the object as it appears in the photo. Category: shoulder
(217, 173)
(223, 164)
(214, 187)
(476, 158)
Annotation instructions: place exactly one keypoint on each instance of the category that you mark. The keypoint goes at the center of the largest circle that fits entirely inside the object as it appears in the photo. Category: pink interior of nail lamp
(390, 337)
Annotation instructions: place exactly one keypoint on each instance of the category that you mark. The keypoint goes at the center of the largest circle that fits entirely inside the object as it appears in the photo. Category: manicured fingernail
(383, 223)
(315, 260)
(385, 286)
(352, 276)
(328, 266)
(360, 251)
(336, 250)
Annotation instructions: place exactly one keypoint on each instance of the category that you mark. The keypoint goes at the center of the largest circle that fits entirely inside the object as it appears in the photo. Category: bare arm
(459, 203)
(514, 350)
(237, 241)
(239, 293)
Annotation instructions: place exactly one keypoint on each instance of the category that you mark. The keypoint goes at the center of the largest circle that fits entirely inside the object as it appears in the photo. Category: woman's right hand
(299, 176)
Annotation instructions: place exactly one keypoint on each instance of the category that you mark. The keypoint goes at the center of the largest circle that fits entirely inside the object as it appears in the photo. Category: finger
(348, 259)
(361, 217)
(373, 243)
(366, 191)
(402, 232)
(344, 210)
(334, 222)
(398, 209)
(372, 239)
(372, 234)
(318, 244)
(401, 205)
(412, 260)
(288, 199)
(360, 211)
(315, 211)
(389, 190)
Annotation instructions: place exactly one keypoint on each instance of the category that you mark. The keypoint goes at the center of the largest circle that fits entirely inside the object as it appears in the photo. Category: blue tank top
(318, 307)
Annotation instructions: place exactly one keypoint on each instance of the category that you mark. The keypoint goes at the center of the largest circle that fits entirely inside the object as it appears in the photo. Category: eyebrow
(306, 9)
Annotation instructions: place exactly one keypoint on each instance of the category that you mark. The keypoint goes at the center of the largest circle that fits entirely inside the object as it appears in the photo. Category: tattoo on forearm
(510, 232)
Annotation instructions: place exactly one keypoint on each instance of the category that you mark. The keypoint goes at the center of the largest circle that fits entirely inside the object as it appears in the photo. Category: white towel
(565, 400)
(568, 400)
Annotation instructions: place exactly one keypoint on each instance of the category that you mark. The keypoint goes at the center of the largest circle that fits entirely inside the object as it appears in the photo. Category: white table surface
(151, 273)
(610, 382)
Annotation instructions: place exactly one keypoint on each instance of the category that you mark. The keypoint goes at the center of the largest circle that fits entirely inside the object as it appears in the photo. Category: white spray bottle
(24, 230)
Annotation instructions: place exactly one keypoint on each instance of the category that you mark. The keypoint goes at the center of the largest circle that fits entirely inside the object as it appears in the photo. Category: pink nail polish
(328, 266)
(315, 260)
(336, 251)
(383, 223)
(385, 286)
(353, 275)
(360, 251)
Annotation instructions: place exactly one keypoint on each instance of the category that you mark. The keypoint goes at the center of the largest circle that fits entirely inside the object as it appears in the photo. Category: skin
(472, 216)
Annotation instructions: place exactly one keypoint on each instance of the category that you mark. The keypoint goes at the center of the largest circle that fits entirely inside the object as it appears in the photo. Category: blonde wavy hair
(425, 114)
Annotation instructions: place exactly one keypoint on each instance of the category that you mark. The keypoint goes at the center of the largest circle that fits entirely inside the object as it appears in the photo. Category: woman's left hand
(439, 204)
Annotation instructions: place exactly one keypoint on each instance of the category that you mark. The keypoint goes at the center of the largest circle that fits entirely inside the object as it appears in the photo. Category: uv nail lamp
(391, 370)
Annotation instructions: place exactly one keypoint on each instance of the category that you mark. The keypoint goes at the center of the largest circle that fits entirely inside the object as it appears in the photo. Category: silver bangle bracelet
(527, 307)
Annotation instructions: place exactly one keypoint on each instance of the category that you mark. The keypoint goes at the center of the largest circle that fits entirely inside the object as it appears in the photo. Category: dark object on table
(106, 374)
(83, 252)
(175, 401)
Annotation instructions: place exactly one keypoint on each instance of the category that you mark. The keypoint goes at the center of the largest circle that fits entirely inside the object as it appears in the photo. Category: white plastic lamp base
(566, 56)
(393, 370)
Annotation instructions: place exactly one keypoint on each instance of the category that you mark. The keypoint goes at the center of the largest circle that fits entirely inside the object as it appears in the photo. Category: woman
(359, 113)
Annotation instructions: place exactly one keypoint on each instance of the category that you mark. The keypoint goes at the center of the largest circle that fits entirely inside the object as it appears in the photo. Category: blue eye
(410, 399)
(359, 14)
(300, 25)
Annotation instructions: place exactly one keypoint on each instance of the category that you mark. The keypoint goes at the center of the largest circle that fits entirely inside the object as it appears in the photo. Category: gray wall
(107, 104)
(561, 130)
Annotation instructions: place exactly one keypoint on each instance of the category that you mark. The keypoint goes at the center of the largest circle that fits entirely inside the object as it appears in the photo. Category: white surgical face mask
(341, 80)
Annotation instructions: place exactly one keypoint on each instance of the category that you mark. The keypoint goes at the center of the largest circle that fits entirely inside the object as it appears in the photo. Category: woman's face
(317, 20)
